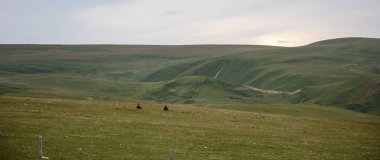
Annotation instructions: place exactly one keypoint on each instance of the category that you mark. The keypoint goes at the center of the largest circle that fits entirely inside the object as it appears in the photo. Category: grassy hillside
(225, 101)
(114, 129)
(340, 72)
(201, 89)
(127, 62)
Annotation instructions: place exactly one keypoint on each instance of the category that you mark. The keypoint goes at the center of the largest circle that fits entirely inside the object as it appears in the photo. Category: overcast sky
(268, 22)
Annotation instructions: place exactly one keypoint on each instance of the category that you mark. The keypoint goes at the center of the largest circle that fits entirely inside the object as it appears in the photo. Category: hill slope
(340, 72)
(201, 89)
(346, 69)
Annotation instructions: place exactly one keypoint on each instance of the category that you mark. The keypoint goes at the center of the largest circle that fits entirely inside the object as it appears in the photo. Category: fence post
(170, 154)
(40, 148)
(40, 151)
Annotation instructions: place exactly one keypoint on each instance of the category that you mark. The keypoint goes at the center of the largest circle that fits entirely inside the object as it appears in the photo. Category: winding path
(273, 91)
(262, 90)
(217, 73)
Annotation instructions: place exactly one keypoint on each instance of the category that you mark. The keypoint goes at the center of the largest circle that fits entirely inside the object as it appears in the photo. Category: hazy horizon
(172, 44)
(169, 22)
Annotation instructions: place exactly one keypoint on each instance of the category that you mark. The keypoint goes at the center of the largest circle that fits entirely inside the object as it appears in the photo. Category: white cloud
(270, 22)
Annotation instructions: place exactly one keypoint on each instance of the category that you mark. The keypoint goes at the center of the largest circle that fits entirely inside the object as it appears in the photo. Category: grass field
(114, 129)
(82, 99)
(344, 73)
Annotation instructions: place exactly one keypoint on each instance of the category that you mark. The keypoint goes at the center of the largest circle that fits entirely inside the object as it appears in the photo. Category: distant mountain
(348, 41)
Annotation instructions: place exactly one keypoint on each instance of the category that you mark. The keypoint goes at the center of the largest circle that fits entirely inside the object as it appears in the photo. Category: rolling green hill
(340, 72)
(201, 89)
(225, 101)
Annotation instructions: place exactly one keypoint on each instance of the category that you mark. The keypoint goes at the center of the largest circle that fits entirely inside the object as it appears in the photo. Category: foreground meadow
(114, 129)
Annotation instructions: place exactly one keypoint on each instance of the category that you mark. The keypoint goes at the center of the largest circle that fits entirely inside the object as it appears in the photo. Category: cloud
(284, 42)
(269, 22)
(150, 22)
(173, 12)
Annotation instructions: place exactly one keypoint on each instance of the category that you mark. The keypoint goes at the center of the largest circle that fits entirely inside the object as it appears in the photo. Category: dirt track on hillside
(273, 91)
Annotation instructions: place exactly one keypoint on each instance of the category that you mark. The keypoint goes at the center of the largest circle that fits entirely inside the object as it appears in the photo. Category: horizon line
(190, 44)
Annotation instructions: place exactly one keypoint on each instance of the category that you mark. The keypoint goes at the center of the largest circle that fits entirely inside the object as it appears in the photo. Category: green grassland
(82, 99)
(114, 129)
(341, 72)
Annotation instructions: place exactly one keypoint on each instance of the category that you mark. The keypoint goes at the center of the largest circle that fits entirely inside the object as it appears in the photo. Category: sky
(166, 22)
